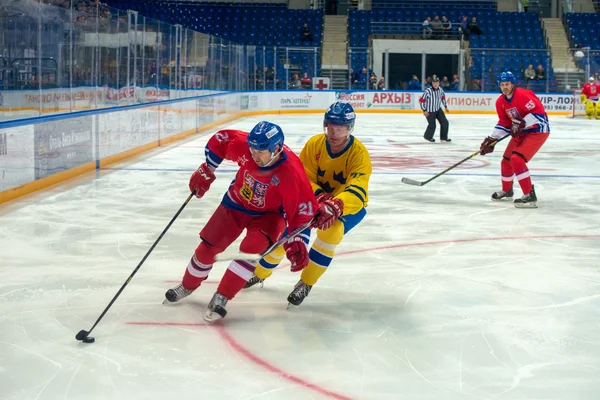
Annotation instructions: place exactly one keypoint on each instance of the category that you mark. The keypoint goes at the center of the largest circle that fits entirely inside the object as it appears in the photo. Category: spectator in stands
(362, 77)
(540, 73)
(436, 27)
(596, 77)
(525, 4)
(455, 82)
(428, 82)
(306, 82)
(427, 28)
(269, 75)
(353, 76)
(381, 84)
(306, 34)
(373, 81)
(446, 27)
(529, 74)
(445, 83)
(464, 28)
(414, 83)
(473, 27)
(294, 82)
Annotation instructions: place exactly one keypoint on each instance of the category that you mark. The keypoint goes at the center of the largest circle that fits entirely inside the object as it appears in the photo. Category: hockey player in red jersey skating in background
(589, 97)
(522, 115)
(271, 182)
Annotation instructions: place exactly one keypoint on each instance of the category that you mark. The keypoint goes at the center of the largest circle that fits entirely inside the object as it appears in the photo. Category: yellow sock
(264, 268)
(262, 272)
(320, 256)
(312, 273)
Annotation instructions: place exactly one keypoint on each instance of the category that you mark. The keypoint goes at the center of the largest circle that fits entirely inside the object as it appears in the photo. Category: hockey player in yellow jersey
(339, 168)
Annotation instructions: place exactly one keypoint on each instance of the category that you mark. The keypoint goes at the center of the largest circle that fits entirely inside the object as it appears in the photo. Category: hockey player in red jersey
(522, 115)
(589, 97)
(271, 179)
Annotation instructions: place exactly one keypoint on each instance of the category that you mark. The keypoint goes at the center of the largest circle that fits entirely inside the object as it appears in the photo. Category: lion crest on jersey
(253, 191)
(512, 113)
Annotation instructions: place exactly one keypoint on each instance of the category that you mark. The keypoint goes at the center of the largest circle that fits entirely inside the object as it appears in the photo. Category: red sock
(195, 274)
(522, 172)
(191, 282)
(236, 276)
(507, 175)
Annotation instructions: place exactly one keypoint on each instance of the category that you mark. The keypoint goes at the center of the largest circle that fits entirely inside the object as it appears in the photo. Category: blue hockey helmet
(266, 136)
(507, 76)
(340, 114)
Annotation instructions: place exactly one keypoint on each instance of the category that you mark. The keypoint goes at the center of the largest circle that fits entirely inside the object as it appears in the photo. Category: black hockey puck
(89, 339)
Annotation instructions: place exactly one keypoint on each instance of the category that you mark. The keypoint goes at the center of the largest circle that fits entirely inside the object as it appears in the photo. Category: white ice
(439, 294)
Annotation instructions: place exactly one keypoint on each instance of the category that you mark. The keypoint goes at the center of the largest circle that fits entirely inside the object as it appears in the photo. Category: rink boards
(41, 151)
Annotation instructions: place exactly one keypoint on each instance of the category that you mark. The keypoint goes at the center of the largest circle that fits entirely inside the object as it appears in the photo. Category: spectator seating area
(509, 30)
(584, 30)
(260, 24)
(522, 36)
(487, 66)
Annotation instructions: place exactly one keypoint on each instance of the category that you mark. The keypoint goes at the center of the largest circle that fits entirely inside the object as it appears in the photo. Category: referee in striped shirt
(431, 104)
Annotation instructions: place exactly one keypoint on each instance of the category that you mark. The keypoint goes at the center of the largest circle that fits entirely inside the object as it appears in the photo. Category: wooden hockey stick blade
(409, 181)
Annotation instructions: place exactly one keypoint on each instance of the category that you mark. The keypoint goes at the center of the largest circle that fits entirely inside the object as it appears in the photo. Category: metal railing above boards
(282, 68)
(424, 4)
(67, 56)
(413, 30)
(532, 68)
(581, 63)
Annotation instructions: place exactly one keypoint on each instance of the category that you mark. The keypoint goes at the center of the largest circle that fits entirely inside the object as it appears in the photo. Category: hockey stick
(84, 335)
(413, 182)
(255, 257)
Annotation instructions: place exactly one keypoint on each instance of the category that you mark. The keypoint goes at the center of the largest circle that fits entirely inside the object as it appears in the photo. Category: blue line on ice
(374, 173)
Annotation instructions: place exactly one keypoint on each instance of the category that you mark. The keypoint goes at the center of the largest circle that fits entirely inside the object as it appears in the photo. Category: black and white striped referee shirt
(432, 99)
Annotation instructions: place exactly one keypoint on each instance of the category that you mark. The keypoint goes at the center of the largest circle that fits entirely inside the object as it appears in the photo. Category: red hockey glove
(486, 145)
(329, 211)
(297, 253)
(321, 197)
(517, 128)
(201, 179)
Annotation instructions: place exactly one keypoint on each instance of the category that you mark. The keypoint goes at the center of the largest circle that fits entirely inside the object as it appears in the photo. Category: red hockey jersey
(523, 106)
(281, 187)
(591, 90)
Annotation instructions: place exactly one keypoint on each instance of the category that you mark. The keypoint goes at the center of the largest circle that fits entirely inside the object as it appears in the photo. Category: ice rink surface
(439, 294)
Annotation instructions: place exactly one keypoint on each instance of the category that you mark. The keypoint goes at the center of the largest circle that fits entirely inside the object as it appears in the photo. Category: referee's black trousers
(441, 117)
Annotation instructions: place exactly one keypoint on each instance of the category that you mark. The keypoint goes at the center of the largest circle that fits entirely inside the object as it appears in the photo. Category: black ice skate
(253, 281)
(300, 292)
(527, 201)
(432, 140)
(501, 196)
(176, 294)
(216, 308)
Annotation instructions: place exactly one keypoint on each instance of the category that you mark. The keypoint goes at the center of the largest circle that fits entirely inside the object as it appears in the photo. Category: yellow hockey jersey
(345, 175)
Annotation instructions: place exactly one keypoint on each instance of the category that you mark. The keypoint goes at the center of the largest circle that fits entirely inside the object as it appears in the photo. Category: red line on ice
(235, 345)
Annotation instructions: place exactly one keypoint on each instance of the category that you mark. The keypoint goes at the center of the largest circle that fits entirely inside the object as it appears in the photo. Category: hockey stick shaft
(284, 239)
(141, 262)
(411, 182)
